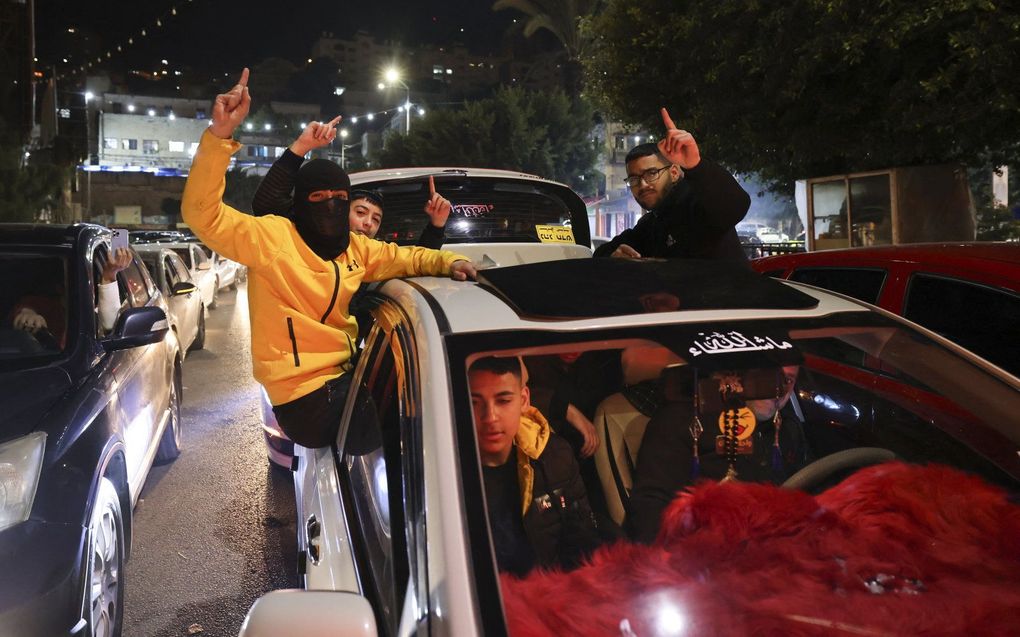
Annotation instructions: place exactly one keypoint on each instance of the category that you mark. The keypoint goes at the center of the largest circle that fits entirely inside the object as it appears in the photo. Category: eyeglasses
(649, 176)
(323, 195)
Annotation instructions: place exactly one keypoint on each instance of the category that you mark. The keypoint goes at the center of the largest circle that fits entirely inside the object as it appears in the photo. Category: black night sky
(233, 34)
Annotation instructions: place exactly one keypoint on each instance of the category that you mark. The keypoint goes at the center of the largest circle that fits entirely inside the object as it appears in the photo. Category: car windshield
(807, 402)
(485, 210)
(34, 289)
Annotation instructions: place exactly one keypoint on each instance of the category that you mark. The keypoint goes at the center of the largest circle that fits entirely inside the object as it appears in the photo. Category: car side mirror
(137, 326)
(309, 614)
(182, 287)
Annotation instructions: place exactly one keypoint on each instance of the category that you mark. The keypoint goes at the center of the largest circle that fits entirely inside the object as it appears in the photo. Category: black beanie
(319, 174)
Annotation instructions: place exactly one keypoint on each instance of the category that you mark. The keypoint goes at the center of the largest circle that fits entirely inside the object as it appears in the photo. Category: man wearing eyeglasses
(693, 204)
(304, 272)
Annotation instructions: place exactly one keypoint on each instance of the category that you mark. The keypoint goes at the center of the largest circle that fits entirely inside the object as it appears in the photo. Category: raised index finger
(432, 186)
(334, 121)
(244, 78)
(667, 120)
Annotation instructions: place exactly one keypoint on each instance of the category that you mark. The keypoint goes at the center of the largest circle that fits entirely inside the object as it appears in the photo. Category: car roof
(44, 233)
(160, 245)
(999, 252)
(496, 304)
(384, 174)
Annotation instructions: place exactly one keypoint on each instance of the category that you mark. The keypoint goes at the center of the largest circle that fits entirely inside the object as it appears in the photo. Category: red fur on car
(895, 549)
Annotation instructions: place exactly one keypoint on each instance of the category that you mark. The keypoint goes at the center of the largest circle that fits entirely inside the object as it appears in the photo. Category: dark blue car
(84, 413)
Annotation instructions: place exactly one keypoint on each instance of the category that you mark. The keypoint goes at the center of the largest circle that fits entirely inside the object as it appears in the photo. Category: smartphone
(120, 239)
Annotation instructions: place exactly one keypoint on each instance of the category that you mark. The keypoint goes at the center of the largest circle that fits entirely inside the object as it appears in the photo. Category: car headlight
(20, 464)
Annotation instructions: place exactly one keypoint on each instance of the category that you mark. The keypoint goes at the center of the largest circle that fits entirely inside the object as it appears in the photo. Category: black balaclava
(324, 225)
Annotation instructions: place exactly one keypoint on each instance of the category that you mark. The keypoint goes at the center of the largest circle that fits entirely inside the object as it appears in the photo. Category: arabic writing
(473, 210)
(718, 343)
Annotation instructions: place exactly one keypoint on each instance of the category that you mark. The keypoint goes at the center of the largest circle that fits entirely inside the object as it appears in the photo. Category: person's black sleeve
(636, 237)
(663, 468)
(720, 201)
(274, 194)
(432, 237)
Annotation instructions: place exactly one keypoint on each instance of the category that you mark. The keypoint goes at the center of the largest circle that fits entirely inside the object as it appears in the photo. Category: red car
(967, 292)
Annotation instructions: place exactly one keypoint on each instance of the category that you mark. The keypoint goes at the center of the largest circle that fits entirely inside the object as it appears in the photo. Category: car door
(378, 476)
(203, 273)
(184, 307)
(144, 377)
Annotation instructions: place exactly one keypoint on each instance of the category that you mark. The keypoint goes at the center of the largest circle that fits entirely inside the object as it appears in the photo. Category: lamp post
(343, 147)
(88, 154)
(393, 77)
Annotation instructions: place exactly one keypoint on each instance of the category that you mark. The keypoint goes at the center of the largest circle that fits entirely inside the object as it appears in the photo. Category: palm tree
(559, 17)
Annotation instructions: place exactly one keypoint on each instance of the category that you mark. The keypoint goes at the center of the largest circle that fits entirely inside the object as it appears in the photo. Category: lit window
(110, 143)
(150, 145)
(129, 144)
(176, 147)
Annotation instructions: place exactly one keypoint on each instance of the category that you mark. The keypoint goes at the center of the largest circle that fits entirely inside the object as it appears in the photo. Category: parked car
(228, 273)
(200, 266)
(967, 292)
(187, 312)
(393, 533)
(84, 415)
(498, 218)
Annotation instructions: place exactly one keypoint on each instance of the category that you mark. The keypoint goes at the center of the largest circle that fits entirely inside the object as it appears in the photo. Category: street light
(343, 147)
(392, 77)
(88, 154)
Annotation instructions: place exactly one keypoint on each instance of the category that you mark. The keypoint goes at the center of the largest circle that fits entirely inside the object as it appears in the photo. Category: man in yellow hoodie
(538, 508)
(302, 274)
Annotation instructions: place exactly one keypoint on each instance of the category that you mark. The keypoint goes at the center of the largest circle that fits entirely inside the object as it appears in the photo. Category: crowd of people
(309, 247)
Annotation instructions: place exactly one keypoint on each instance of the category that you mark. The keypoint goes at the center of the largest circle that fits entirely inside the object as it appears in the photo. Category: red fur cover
(940, 551)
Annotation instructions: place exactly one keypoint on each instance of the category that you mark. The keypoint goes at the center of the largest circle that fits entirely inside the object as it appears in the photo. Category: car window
(864, 284)
(371, 462)
(36, 285)
(856, 382)
(985, 320)
(199, 257)
(169, 274)
(182, 270)
(484, 209)
(135, 283)
(185, 255)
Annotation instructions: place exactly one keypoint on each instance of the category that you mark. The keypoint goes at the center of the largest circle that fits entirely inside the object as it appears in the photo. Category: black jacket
(695, 221)
(665, 459)
(559, 523)
(274, 197)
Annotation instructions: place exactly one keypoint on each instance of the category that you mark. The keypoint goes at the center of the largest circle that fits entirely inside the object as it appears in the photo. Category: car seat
(620, 427)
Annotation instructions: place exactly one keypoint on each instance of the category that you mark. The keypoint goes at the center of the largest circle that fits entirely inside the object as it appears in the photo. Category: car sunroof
(589, 288)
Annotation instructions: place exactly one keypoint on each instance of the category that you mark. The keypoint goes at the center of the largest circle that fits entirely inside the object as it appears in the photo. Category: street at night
(509, 318)
(214, 529)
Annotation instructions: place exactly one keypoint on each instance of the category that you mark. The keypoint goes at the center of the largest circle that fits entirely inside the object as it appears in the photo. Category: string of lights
(159, 23)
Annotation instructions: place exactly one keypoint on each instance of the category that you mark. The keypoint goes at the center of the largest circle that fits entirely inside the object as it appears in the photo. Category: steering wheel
(817, 472)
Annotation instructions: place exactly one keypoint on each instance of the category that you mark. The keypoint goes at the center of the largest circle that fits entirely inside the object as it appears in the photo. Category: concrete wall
(145, 190)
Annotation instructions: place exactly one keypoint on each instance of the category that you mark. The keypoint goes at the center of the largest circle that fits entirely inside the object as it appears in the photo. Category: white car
(228, 273)
(203, 274)
(393, 530)
(187, 311)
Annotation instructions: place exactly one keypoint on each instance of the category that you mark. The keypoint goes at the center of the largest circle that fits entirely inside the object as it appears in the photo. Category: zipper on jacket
(336, 290)
(293, 341)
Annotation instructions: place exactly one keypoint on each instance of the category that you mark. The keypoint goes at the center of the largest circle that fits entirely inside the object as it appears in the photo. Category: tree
(562, 19)
(813, 87)
(544, 133)
(28, 192)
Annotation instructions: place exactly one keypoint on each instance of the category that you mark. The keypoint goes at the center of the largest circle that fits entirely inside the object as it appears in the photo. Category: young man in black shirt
(537, 504)
(693, 204)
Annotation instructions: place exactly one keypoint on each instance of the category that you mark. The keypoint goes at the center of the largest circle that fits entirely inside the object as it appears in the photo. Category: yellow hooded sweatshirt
(302, 333)
(530, 441)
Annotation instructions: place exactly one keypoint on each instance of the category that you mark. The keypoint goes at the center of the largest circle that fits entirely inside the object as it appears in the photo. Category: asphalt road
(214, 529)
